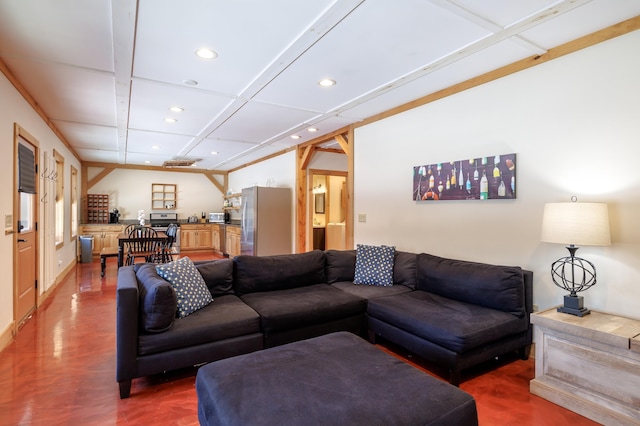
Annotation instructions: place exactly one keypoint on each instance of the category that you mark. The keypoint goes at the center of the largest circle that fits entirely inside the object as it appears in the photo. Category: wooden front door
(25, 229)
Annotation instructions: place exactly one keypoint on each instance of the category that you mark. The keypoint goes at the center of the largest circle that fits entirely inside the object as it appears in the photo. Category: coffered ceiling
(106, 73)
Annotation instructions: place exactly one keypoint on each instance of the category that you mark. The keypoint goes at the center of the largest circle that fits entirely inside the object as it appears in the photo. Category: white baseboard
(6, 336)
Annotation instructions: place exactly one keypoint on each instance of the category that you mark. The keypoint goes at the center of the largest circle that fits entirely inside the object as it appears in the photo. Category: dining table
(124, 238)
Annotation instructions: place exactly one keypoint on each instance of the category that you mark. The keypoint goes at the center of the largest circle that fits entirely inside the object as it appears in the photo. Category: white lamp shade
(580, 224)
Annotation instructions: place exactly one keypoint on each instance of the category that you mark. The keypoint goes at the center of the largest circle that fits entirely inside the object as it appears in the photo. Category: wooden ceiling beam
(305, 155)
(222, 187)
(99, 176)
(344, 144)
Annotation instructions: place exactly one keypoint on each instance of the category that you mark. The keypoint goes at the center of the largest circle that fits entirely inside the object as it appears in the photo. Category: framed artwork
(484, 178)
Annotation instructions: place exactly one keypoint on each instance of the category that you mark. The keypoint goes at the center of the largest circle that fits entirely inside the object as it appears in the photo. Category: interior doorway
(328, 209)
(24, 226)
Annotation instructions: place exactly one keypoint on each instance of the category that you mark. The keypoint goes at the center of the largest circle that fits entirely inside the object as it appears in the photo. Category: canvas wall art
(484, 178)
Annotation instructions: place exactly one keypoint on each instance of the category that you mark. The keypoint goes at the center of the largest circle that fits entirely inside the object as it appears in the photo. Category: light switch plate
(362, 217)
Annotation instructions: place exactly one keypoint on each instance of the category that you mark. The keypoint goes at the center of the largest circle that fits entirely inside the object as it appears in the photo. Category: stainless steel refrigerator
(266, 221)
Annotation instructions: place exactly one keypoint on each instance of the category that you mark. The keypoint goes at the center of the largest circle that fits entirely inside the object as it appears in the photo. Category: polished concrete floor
(60, 370)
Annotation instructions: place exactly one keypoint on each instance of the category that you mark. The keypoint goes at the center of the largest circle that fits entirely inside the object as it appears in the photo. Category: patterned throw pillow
(374, 265)
(191, 291)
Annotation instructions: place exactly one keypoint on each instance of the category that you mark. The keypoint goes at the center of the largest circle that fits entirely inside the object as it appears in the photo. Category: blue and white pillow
(191, 291)
(374, 265)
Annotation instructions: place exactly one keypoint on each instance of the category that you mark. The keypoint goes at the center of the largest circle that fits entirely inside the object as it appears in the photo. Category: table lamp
(575, 224)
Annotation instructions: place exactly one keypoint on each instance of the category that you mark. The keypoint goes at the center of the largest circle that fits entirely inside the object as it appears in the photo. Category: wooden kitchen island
(590, 365)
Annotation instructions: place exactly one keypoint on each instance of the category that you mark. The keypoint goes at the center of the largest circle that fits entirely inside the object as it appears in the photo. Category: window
(59, 213)
(26, 212)
(74, 203)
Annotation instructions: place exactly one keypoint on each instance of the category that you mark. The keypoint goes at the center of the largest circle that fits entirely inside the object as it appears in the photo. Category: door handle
(20, 240)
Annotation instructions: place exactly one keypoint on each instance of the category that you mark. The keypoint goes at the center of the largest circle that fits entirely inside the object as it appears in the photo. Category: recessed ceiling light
(170, 120)
(214, 152)
(295, 136)
(312, 129)
(147, 162)
(176, 109)
(190, 82)
(206, 53)
(327, 82)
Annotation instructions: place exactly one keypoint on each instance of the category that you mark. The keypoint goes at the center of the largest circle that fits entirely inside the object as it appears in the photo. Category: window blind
(26, 170)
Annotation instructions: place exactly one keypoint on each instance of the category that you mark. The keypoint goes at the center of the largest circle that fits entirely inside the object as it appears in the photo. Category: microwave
(216, 217)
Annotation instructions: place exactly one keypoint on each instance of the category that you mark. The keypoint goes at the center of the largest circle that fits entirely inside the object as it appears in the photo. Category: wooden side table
(589, 365)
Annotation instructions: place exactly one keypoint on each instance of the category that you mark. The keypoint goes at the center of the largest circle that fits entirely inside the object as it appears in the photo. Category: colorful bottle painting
(484, 187)
(502, 190)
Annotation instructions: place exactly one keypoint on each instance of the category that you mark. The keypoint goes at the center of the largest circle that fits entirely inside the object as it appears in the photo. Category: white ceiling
(107, 72)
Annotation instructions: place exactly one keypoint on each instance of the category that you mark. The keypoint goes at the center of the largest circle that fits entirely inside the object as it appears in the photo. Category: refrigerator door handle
(243, 225)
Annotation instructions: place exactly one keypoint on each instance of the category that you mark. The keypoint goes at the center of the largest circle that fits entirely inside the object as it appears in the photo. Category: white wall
(130, 191)
(278, 171)
(16, 110)
(329, 161)
(575, 125)
(281, 170)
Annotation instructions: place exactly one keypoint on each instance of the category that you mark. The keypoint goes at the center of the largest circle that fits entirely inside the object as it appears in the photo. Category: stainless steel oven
(161, 221)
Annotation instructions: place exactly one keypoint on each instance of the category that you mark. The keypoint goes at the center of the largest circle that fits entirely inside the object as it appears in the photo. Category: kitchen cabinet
(232, 245)
(104, 236)
(215, 238)
(196, 237)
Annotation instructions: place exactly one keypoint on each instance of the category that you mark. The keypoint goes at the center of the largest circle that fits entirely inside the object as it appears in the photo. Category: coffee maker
(114, 217)
(227, 217)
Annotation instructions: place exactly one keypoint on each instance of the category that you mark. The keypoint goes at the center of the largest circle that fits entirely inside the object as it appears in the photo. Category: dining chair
(142, 246)
(128, 229)
(164, 253)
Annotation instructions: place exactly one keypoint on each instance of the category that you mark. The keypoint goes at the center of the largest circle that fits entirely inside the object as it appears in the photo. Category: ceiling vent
(179, 163)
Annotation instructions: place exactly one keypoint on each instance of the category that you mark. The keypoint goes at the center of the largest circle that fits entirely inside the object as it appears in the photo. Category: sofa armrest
(528, 302)
(127, 306)
(528, 290)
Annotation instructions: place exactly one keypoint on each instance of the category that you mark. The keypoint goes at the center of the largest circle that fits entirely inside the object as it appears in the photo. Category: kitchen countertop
(180, 221)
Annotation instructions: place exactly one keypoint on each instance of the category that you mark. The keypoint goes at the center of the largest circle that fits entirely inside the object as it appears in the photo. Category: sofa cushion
(374, 265)
(191, 291)
(157, 299)
(370, 291)
(455, 325)
(267, 273)
(405, 269)
(340, 265)
(224, 318)
(304, 306)
(217, 275)
(492, 286)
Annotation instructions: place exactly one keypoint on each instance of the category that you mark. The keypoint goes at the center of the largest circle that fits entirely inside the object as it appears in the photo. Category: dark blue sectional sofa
(453, 313)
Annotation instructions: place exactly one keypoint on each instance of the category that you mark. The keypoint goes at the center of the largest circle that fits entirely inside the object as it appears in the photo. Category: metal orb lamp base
(574, 305)
(573, 274)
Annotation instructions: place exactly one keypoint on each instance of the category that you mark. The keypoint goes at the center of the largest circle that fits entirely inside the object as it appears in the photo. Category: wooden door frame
(304, 154)
(19, 132)
(310, 210)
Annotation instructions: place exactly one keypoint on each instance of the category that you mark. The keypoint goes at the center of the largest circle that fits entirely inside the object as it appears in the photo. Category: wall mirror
(319, 203)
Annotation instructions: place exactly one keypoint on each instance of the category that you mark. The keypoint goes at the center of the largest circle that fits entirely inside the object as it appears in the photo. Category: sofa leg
(372, 337)
(524, 352)
(125, 389)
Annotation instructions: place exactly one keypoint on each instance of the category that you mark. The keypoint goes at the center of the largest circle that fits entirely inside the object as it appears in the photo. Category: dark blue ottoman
(336, 379)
